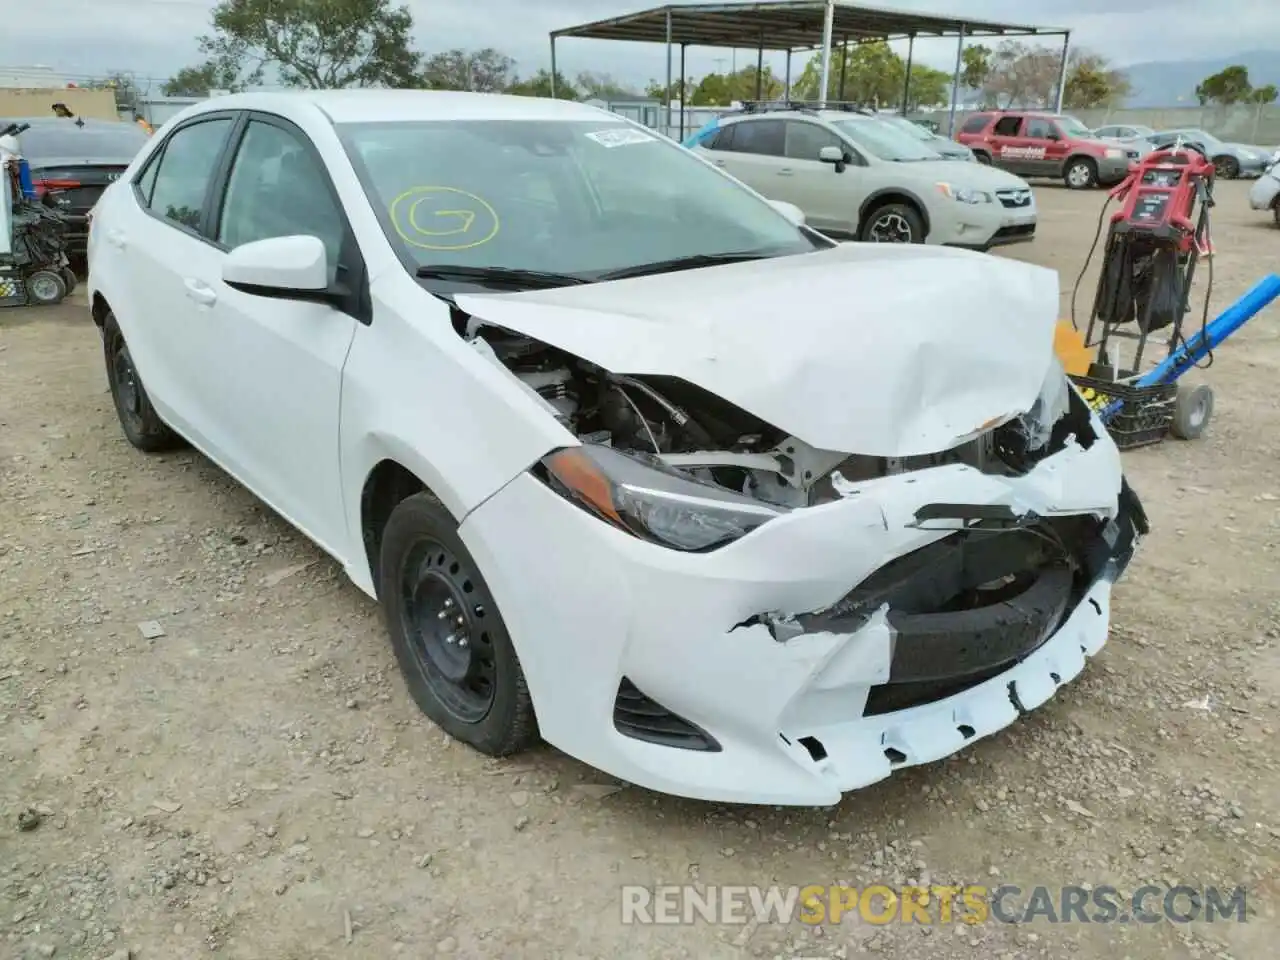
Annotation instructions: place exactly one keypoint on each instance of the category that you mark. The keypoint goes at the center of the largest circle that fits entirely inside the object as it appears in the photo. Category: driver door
(273, 365)
(829, 199)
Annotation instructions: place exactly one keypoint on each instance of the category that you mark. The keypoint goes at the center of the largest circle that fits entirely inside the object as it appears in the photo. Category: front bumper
(983, 226)
(1112, 170)
(704, 675)
(1263, 194)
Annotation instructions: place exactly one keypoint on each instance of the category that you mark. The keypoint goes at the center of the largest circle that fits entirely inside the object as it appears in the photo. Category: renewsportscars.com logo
(973, 904)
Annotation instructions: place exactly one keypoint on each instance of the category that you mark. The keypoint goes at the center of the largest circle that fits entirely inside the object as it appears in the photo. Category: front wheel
(1192, 410)
(46, 287)
(449, 638)
(893, 223)
(1081, 174)
(1228, 168)
(141, 424)
(983, 158)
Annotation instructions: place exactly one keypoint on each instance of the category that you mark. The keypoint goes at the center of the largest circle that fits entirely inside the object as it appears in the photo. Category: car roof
(380, 106)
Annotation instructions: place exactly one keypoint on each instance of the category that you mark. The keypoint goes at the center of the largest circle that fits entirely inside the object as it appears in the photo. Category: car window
(1007, 126)
(1039, 129)
(185, 171)
(478, 193)
(722, 140)
(760, 136)
(277, 188)
(884, 141)
(976, 124)
(806, 140)
(46, 143)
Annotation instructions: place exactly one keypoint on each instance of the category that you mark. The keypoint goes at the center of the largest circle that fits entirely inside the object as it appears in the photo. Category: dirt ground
(257, 783)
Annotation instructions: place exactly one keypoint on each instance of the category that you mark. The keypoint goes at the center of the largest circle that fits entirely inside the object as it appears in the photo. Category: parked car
(1230, 160)
(945, 147)
(858, 177)
(1135, 138)
(1265, 193)
(629, 458)
(1046, 145)
(77, 158)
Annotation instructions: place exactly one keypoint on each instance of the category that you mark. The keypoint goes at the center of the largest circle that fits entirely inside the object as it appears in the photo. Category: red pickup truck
(1045, 145)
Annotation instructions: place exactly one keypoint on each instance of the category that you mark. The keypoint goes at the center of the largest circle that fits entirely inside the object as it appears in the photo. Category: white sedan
(630, 458)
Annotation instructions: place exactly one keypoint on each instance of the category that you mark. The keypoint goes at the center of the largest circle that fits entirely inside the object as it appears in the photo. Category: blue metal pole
(1212, 336)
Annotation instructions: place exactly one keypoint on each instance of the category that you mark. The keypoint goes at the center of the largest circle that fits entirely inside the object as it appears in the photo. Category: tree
(198, 81)
(1225, 88)
(929, 87)
(123, 85)
(602, 86)
(975, 66)
(312, 43)
(1022, 76)
(1264, 95)
(873, 75)
(539, 85)
(655, 90)
(1092, 82)
(483, 71)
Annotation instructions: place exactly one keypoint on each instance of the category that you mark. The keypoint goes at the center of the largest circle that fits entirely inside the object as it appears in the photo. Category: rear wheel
(1228, 168)
(46, 287)
(141, 424)
(1191, 412)
(893, 223)
(983, 158)
(1081, 173)
(69, 278)
(449, 638)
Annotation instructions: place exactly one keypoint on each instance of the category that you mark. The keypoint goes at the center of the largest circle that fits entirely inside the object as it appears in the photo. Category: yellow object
(1068, 344)
(452, 227)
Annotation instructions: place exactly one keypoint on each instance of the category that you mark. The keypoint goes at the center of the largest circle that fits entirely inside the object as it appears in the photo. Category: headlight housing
(1051, 406)
(963, 194)
(649, 500)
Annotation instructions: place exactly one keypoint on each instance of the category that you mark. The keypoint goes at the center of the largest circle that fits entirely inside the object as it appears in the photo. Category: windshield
(55, 141)
(884, 141)
(1190, 136)
(578, 198)
(911, 129)
(1071, 127)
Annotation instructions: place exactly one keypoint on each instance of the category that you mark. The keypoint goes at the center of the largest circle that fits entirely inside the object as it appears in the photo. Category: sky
(154, 38)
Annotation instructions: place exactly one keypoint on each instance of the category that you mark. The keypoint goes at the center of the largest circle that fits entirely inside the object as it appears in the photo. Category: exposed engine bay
(706, 438)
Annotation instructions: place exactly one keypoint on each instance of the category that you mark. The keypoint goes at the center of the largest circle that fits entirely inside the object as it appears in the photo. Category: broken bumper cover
(666, 669)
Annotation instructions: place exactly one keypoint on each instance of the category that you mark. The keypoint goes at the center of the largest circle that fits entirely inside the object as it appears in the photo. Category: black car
(75, 158)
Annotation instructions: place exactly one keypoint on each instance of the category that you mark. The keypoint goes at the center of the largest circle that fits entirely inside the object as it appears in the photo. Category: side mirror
(834, 156)
(291, 268)
(789, 210)
(1053, 135)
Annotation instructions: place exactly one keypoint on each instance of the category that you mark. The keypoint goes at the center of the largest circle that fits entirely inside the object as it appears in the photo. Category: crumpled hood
(877, 349)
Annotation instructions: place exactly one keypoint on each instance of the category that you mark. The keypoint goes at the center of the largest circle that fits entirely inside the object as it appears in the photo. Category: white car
(860, 177)
(1265, 192)
(629, 459)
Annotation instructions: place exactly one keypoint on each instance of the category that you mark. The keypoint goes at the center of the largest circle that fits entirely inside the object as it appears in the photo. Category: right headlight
(649, 500)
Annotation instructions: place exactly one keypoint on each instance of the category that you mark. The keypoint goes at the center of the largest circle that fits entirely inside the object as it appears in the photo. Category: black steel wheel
(139, 421)
(449, 638)
(893, 223)
(46, 287)
(69, 278)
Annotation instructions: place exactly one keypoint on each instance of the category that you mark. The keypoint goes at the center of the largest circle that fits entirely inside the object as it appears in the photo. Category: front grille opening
(817, 752)
(894, 755)
(643, 718)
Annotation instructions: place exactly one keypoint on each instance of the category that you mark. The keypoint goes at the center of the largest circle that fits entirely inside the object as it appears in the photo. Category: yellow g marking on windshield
(443, 218)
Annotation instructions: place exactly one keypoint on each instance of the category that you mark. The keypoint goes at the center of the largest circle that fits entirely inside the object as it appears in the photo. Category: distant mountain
(1173, 83)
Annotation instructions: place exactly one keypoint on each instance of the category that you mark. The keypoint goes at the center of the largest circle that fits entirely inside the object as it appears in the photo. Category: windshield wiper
(510, 277)
(691, 262)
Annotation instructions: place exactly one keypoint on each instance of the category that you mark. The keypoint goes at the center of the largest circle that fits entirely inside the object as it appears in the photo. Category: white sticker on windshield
(620, 137)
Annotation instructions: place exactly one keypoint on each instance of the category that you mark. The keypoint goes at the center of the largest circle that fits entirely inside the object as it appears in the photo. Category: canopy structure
(800, 25)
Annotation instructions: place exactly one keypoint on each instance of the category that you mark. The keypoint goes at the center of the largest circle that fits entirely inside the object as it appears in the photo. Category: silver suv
(859, 177)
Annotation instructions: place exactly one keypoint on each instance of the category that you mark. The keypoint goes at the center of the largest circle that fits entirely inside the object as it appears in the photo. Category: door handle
(785, 172)
(200, 292)
(116, 239)
(718, 163)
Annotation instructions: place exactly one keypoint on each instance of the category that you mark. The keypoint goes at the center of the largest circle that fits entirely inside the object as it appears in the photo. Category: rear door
(1007, 147)
(1046, 145)
(755, 154)
(830, 200)
(160, 236)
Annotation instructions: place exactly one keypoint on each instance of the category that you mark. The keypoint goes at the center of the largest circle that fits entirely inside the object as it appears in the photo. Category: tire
(448, 635)
(141, 424)
(1192, 411)
(982, 158)
(46, 287)
(1228, 168)
(897, 220)
(69, 278)
(1275, 211)
(1080, 173)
